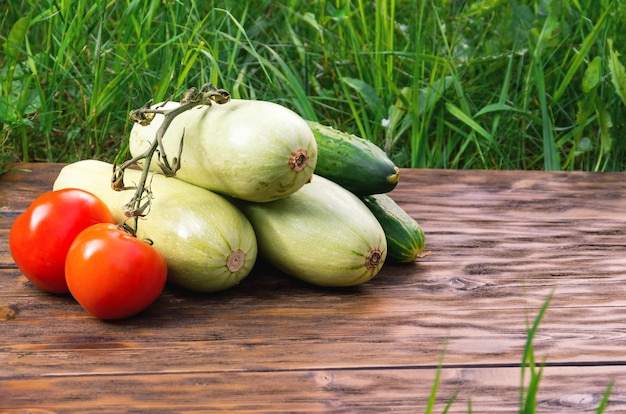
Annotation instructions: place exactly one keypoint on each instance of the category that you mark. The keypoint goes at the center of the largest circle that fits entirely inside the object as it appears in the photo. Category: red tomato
(112, 274)
(41, 236)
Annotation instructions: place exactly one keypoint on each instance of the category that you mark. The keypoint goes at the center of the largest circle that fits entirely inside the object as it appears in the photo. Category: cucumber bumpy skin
(405, 237)
(353, 162)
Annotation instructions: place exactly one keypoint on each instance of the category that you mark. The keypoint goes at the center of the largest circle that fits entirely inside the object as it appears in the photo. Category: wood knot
(575, 401)
(462, 283)
(7, 313)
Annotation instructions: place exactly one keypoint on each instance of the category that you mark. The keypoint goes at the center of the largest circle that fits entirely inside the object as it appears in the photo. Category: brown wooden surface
(501, 242)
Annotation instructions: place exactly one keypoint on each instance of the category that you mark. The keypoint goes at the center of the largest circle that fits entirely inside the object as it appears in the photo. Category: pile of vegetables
(221, 183)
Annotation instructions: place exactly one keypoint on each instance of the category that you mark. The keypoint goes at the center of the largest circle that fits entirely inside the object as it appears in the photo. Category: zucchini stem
(373, 259)
(139, 204)
(298, 160)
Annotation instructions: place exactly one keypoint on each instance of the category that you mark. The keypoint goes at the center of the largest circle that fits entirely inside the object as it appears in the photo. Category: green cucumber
(208, 244)
(405, 237)
(353, 162)
(322, 234)
(252, 150)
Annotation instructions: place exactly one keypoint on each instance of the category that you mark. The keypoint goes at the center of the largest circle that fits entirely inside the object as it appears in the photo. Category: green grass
(488, 84)
(529, 370)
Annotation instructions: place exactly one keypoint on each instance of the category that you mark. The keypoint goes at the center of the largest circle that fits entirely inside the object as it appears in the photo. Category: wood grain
(501, 242)
(488, 390)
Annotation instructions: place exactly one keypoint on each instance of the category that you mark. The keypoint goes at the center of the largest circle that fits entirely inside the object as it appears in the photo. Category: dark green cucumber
(353, 162)
(405, 237)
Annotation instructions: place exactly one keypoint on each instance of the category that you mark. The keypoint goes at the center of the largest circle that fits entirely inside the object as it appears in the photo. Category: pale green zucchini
(322, 234)
(252, 150)
(208, 244)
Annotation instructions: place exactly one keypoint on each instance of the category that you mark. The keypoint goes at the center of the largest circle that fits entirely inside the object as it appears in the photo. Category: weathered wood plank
(488, 390)
(501, 242)
(23, 182)
(267, 332)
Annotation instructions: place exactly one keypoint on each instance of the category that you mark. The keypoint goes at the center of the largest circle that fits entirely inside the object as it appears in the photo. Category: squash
(208, 244)
(252, 150)
(322, 234)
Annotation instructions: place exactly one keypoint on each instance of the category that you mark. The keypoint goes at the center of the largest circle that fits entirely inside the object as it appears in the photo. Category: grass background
(487, 84)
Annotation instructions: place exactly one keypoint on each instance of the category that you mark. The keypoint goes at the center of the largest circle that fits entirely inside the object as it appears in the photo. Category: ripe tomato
(112, 274)
(41, 236)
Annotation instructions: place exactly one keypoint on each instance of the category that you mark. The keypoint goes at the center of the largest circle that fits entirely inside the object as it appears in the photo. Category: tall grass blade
(450, 402)
(528, 397)
(467, 120)
(550, 152)
(367, 92)
(432, 93)
(435, 387)
(476, 128)
(14, 45)
(605, 398)
(581, 56)
(618, 74)
(605, 124)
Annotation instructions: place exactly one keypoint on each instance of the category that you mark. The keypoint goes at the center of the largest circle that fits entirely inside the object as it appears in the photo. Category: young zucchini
(252, 150)
(405, 237)
(208, 244)
(322, 234)
(353, 162)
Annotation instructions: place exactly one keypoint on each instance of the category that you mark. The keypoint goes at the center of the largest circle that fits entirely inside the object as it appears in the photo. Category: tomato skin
(41, 236)
(112, 274)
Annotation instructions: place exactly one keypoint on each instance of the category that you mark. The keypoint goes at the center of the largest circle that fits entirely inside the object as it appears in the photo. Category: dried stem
(140, 203)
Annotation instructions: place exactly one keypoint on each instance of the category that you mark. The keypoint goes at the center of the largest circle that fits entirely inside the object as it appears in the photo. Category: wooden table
(501, 243)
